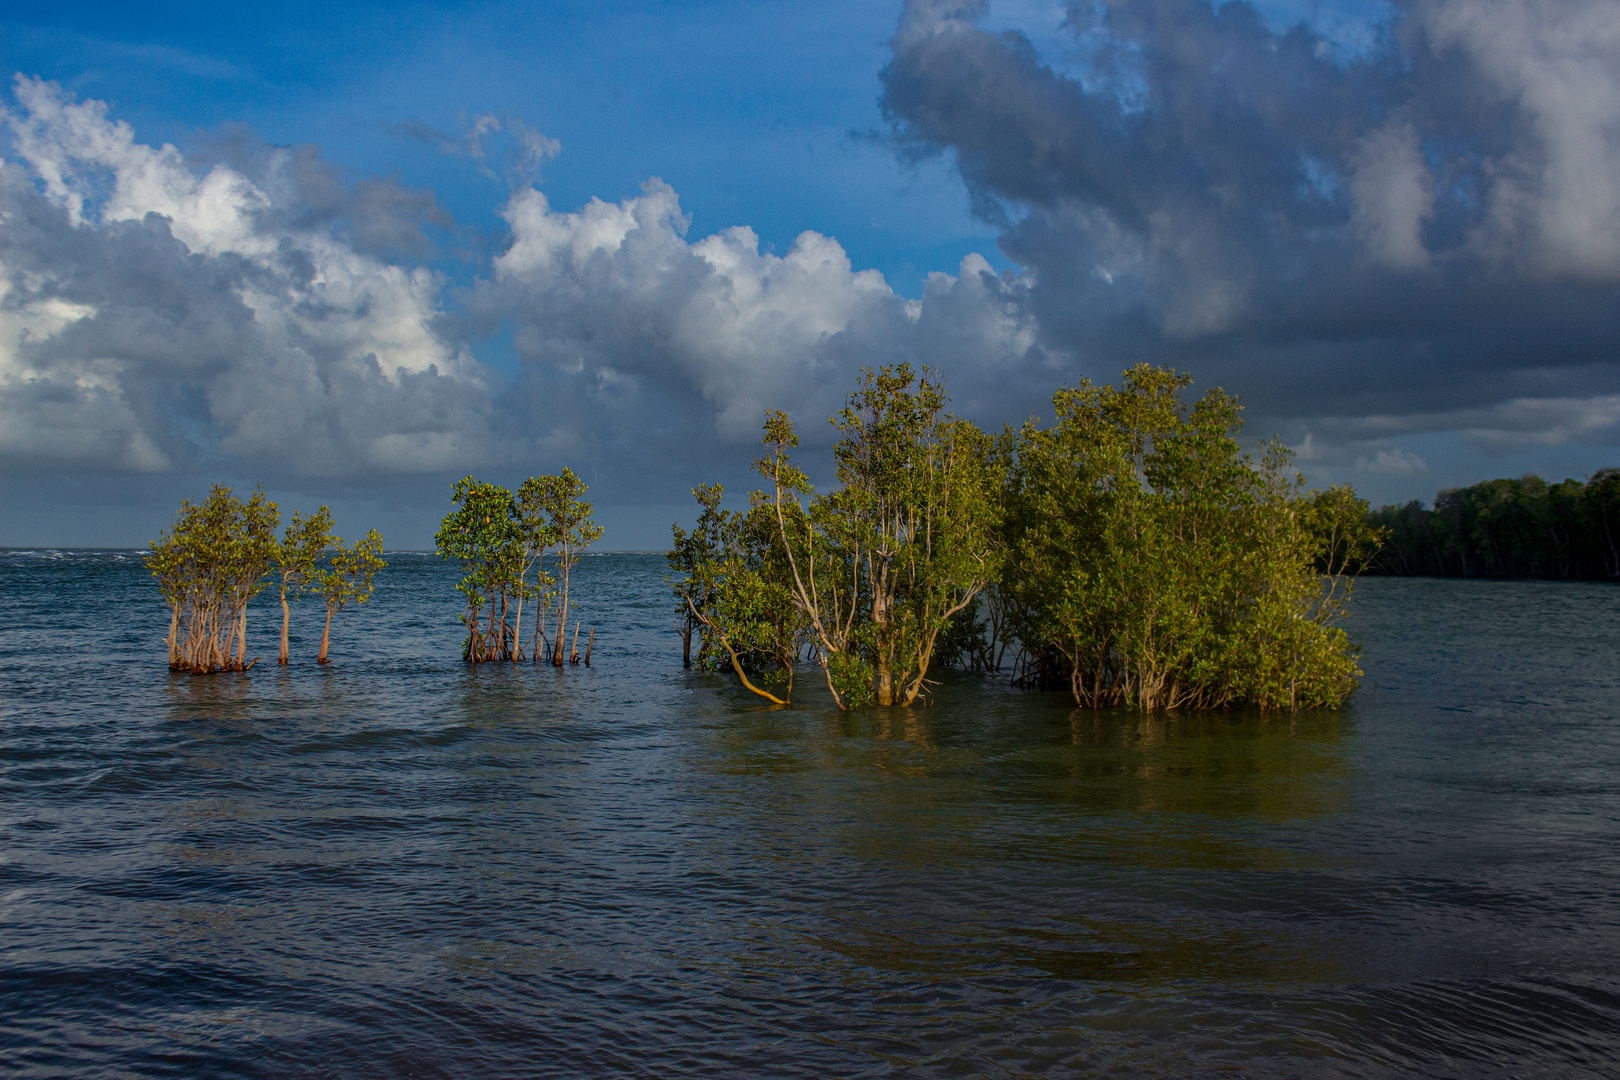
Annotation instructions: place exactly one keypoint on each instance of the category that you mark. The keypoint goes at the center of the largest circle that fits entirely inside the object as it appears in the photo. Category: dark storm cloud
(1427, 230)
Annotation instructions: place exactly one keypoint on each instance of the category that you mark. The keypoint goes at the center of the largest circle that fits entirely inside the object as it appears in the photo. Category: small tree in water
(737, 587)
(1155, 565)
(208, 566)
(298, 556)
(499, 540)
(558, 503)
(535, 536)
(484, 533)
(347, 578)
(881, 565)
(690, 553)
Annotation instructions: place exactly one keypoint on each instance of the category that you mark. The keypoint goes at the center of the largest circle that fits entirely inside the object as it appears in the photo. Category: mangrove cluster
(503, 542)
(217, 556)
(1131, 552)
(1507, 528)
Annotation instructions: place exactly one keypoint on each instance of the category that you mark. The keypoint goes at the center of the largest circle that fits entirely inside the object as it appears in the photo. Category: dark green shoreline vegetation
(501, 540)
(216, 557)
(1130, 553)
(1524, 528)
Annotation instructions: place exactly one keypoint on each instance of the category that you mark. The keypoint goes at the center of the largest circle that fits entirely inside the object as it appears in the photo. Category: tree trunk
(588, 641)
(573, 650)
(174, 645)
(286, 618)
(326, 636)
(736, 665)
(506, 646)
(241, 639)
(562, 611)
(686, 644)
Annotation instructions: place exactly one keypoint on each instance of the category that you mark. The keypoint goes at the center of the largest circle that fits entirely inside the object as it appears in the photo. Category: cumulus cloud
(1423, 227)
(1556, 63)
(613, 305)
(154, 313)
(245, 303)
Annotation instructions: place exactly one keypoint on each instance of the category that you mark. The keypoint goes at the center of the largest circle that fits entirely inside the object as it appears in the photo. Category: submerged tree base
(233, 666)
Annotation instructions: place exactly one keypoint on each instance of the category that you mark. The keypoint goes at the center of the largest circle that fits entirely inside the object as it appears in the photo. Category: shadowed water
(399, 865)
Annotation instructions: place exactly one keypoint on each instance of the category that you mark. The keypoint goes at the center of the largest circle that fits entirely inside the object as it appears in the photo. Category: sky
(353, 252)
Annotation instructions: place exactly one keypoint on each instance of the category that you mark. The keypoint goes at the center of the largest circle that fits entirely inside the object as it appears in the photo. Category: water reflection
(992, 836)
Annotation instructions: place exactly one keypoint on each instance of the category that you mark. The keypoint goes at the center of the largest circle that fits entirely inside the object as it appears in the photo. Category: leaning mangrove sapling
(347, 579)
(738, 588)
(298, 554)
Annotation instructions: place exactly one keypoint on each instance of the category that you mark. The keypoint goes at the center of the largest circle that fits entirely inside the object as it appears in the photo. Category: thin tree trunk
(573, 650)
(286, 619)
(826, 669)
(562, 610)
(591, 638)
(326, 636)
(736, 665)
(505, 630)
(241, 639)
(517, 627)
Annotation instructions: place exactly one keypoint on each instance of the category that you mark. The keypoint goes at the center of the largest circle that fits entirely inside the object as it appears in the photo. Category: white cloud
(154, 315)
(617, 289)
(1392, 193)
(160, 313)
(1558, 61)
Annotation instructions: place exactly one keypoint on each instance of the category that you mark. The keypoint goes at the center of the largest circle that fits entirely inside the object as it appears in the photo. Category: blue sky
(761, 114)
(1392, 229)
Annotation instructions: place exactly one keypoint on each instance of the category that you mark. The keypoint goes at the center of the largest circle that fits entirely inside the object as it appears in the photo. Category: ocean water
(399, 865)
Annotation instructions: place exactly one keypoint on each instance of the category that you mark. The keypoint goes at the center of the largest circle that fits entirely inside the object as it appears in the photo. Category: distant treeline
(1507, 528)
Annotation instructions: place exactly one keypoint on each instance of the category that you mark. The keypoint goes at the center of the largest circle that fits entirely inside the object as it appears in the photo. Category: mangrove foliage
(216, 557)
(1131, 553)
(517, 549)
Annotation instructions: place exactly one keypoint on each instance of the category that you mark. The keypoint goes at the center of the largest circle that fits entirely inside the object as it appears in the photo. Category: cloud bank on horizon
(1418, 237)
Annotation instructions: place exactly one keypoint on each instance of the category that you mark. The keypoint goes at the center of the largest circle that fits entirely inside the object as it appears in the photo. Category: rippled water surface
(402, 866)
